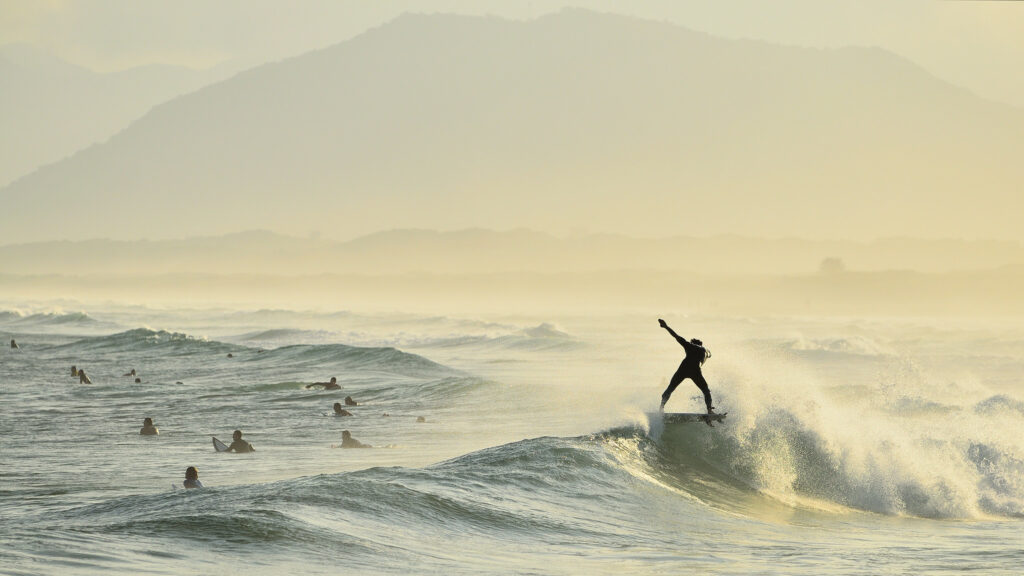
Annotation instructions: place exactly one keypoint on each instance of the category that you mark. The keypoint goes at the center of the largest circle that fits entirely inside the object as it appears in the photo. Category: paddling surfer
(696, 354)
(332, 385)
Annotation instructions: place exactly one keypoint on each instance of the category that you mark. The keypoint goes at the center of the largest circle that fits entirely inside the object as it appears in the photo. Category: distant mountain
(574, 120)
(50, 108)
(477, 251)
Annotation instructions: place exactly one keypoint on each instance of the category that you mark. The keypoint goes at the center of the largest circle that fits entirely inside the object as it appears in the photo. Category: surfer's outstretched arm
(678, 338)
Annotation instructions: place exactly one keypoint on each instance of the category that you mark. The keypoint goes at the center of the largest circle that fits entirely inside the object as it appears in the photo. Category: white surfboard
(218, 445)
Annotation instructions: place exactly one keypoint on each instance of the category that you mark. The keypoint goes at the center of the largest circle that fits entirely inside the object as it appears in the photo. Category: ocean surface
(851, 446)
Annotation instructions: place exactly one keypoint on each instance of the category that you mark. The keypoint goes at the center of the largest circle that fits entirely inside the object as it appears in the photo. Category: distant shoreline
(895, 293)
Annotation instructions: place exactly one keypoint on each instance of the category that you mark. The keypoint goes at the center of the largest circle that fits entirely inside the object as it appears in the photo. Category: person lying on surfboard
(696, 354)
(332, 385)
(339, 411)
(239, 445)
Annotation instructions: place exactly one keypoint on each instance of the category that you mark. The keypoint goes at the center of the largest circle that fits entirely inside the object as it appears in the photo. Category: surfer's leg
(701, 383)
(676, 379)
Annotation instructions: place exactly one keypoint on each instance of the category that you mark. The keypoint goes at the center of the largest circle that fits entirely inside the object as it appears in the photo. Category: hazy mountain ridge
(479, 251)
(622, 124)
(50, 108)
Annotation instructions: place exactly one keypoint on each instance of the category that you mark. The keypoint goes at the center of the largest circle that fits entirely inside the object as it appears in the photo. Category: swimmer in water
(339, 411)
(192, 478)
(14, 344)
(74, 372)
(239, 445)
(148, 429)
(332, 385)
(132, 373)
(350, 402)
(82, 378)
(347, 441)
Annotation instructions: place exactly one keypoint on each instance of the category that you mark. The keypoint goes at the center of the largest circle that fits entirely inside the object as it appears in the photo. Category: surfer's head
(334, 380)
(345, 434)
(696, 342)
(237, 435)
(191, 473)
(147, 422)
(337, 406)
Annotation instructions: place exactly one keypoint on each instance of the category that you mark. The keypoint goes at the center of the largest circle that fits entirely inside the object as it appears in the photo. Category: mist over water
(849, 444)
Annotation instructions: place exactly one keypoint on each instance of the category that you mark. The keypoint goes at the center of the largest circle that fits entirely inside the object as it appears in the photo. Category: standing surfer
(696, 354)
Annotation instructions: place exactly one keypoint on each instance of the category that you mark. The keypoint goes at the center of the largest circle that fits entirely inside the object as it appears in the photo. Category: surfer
(74, 371)
(332, 385)
(339, 411)
(350, 402)
(696, 354)
(192, 478)
(148, 429)
(239, 445)
(82, 378)
(132, 373)
(14, 344)
(347, 441)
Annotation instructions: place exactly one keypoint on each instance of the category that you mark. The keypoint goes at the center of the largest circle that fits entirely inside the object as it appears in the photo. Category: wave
(142, 339)
(1000, 404)
(277, 334)
(852, 346)
(496, 491)
(895, 470)
(429, 393)
(50, 320)
(534, 492)
(543, 337)
(342, 356)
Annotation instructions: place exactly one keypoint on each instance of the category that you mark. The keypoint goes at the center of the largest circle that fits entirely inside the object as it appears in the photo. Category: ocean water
(852, 446)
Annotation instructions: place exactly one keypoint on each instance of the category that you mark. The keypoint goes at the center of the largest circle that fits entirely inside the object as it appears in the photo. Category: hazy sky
(976, 44)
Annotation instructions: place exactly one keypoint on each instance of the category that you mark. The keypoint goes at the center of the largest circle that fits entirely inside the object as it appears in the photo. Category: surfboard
(218, 445)
(679, 417)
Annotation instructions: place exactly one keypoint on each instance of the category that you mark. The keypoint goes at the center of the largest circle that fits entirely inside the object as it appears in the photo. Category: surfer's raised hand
(662, 323)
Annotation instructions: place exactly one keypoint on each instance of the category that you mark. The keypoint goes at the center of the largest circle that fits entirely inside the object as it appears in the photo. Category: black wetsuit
(689, 368)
